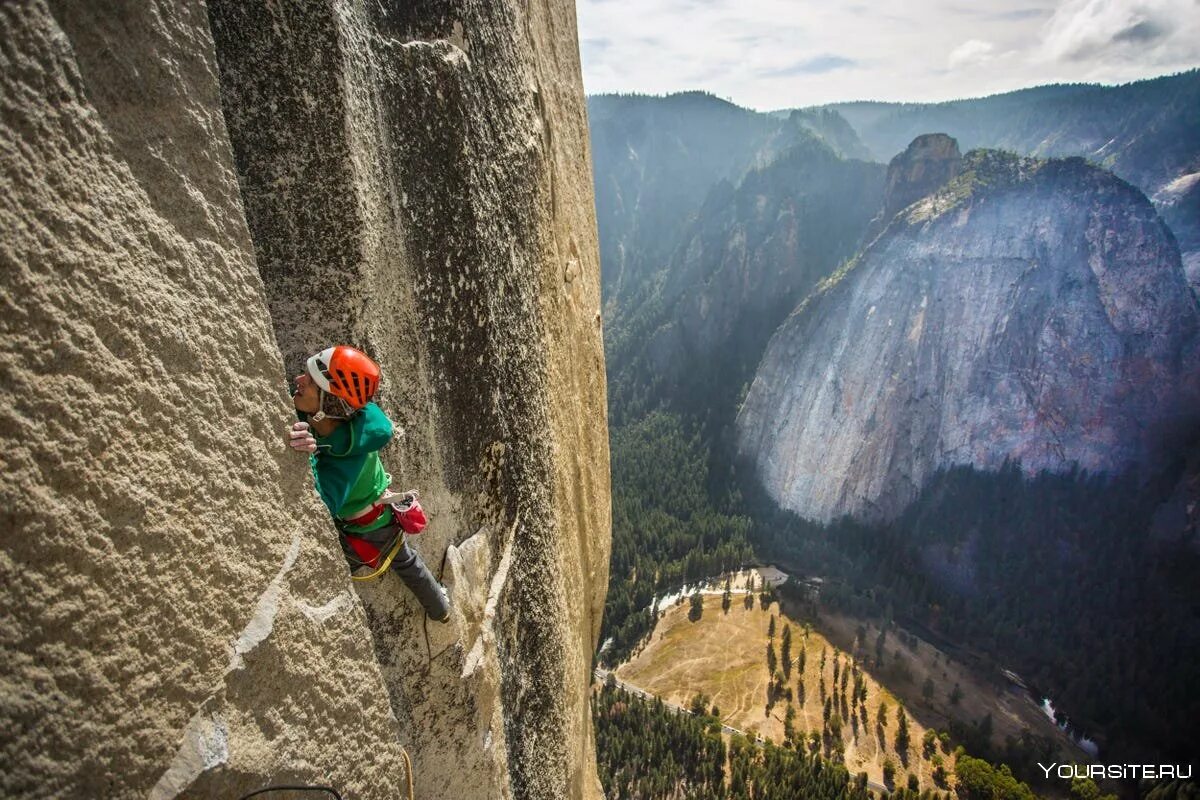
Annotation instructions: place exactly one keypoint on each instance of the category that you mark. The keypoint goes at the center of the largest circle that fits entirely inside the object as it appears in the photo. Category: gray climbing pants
(417, 577)
(409, 566)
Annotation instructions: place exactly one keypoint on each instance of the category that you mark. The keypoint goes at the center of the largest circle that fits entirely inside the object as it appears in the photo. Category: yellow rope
(387, 562)
(407, 771)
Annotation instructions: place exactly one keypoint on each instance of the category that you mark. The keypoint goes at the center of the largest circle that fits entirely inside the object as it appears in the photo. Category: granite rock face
(927, 164)
(417, 181)
(176, 613)
(194, 201)
(1029, 310)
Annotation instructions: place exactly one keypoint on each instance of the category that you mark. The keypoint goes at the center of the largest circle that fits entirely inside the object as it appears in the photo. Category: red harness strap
(368, 517)
(366, 552)
(411, 520)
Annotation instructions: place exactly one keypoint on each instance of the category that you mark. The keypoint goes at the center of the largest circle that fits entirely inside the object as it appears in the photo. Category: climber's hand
(301, 438)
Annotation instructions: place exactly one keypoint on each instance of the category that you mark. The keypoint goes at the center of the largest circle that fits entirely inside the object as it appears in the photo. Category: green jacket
(346, 466)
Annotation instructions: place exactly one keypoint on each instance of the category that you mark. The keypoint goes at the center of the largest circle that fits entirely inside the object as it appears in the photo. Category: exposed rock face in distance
(833, 129)
(416, 179)
(656, 161)
(176, 612)
(925, 166)
(1030, 310)
(1179, 204)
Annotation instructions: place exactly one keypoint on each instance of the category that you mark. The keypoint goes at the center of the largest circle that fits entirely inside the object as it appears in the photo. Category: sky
(769, 54)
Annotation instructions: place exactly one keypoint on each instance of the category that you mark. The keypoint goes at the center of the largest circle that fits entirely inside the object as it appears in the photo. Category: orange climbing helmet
(345, 373)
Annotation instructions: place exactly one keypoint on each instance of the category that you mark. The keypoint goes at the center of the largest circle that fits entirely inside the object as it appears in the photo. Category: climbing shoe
(444, 597)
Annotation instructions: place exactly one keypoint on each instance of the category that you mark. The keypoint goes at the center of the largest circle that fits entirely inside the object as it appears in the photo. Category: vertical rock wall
(417, 181)
(176, 613)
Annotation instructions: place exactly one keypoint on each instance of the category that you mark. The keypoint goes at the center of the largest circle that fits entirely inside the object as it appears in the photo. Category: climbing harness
(387, 561)
(408, 518)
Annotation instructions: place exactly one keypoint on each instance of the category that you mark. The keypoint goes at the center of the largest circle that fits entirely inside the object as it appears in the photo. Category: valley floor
(724, 656)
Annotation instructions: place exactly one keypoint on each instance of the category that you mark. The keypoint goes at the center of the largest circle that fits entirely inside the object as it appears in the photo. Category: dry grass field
(723, 655)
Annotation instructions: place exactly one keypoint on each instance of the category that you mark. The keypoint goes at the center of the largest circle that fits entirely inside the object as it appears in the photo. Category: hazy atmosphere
(777, 53)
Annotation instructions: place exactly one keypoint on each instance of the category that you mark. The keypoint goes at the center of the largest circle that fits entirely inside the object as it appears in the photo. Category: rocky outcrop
(416, 180)
(833, 129)
(411, 178)
(926, 165)
(1033, 311)
(658, 160)
(1179, 204)
(177, 616)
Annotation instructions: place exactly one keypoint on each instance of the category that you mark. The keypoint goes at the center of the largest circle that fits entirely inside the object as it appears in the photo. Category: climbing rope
(407, 771)
(287, 788)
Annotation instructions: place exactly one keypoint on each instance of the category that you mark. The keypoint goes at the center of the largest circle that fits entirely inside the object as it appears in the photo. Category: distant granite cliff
(192, 198)
(927, 164)
(1028, 310)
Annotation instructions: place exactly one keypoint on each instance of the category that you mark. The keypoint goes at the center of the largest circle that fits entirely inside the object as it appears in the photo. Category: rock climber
(343, 432)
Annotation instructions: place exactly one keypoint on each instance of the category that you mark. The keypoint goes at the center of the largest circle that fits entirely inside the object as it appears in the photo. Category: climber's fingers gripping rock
(301, 438)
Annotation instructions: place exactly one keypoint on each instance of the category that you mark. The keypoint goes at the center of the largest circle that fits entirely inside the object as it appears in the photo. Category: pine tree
(901, 732)
(785, 652)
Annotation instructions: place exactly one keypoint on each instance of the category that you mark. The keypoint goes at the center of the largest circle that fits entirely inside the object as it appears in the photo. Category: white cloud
(1165, 33)
(784, 53)
(970, 53)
